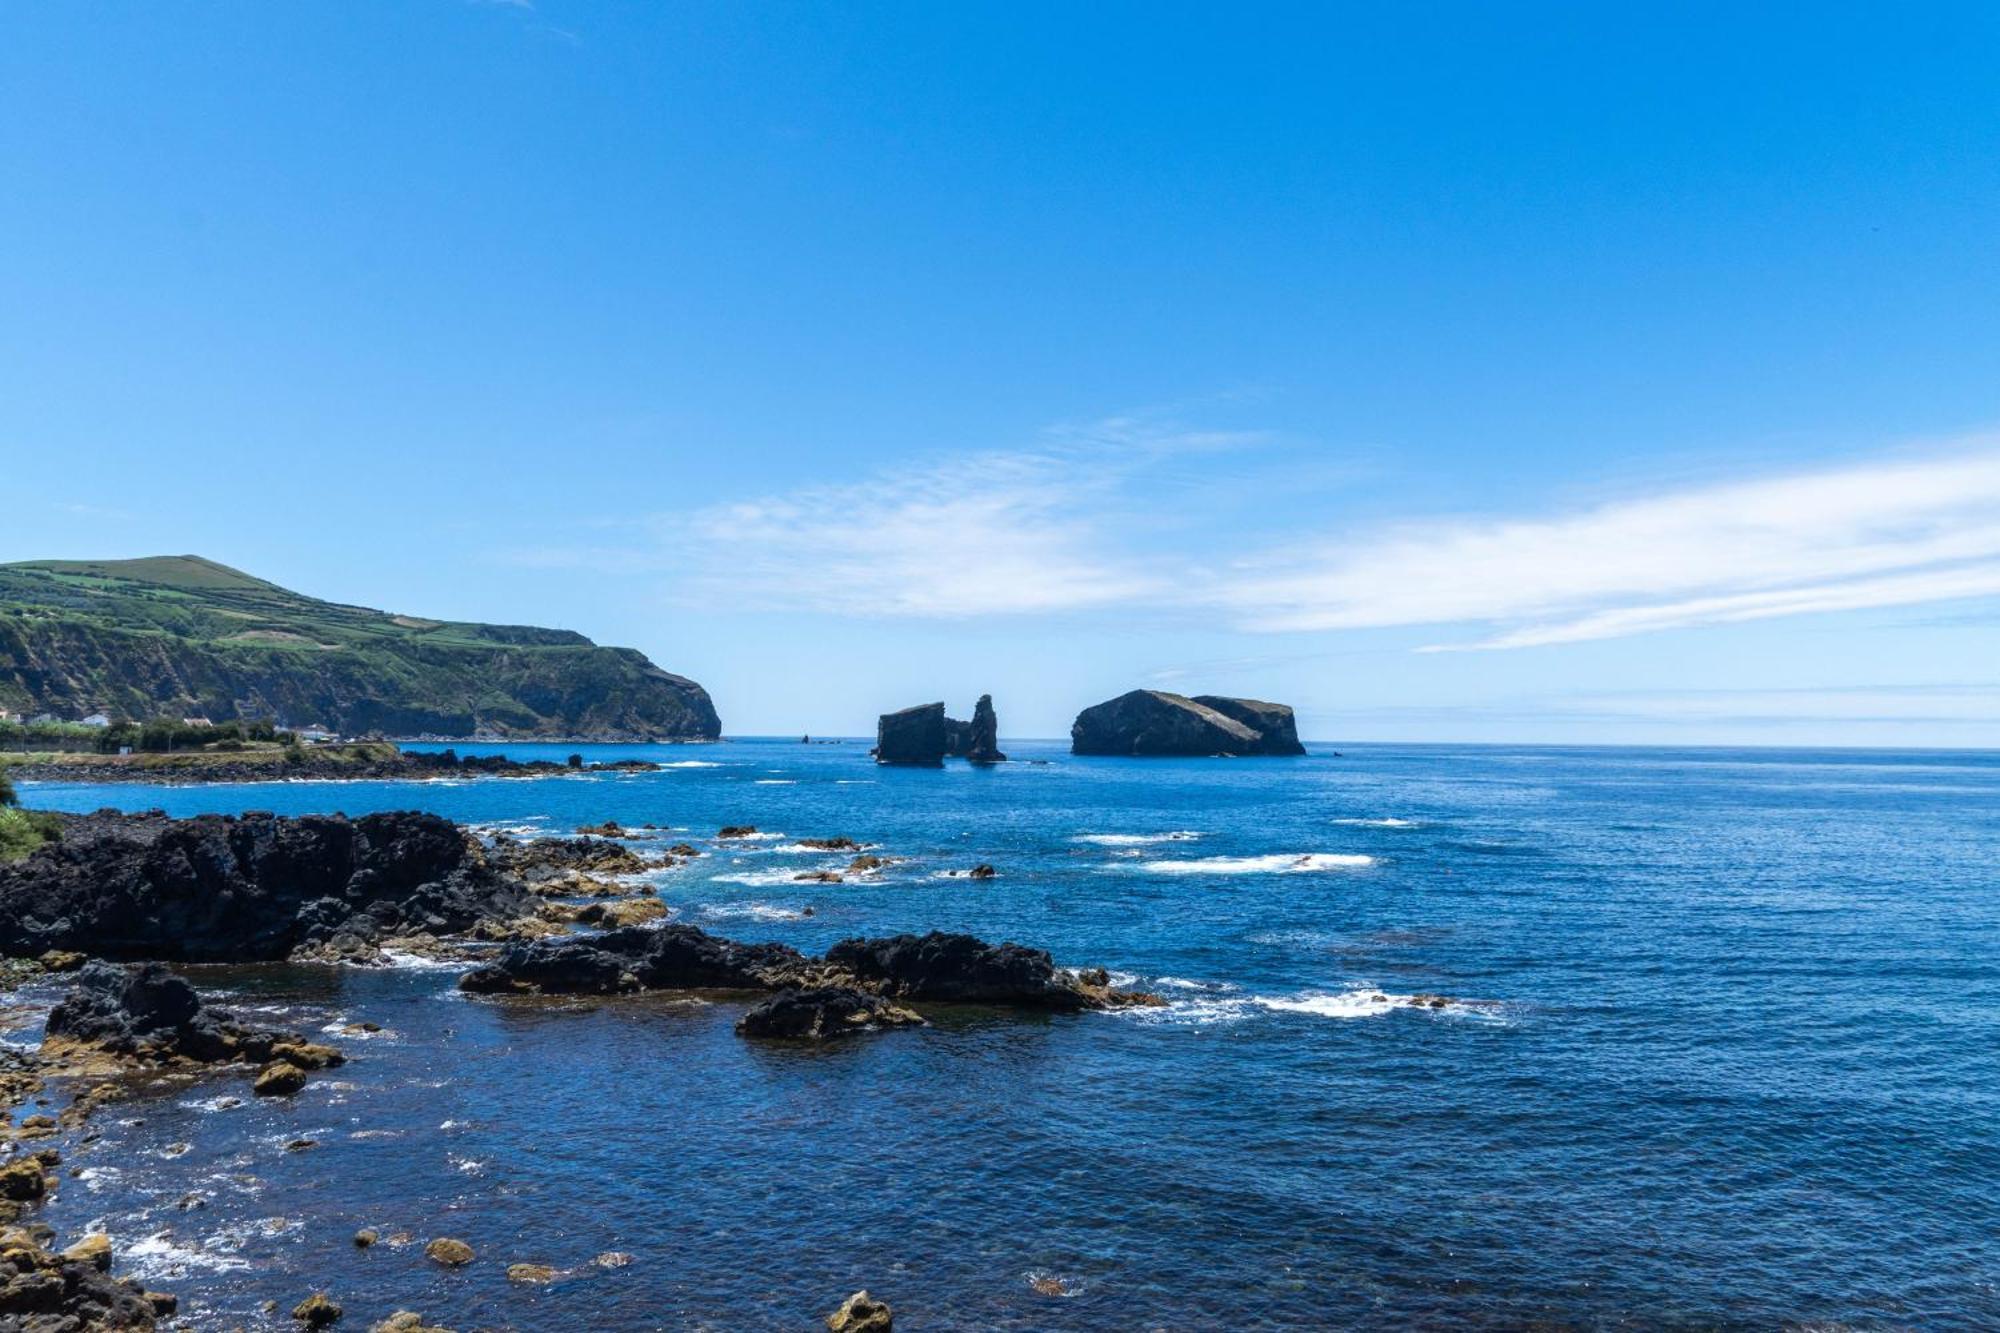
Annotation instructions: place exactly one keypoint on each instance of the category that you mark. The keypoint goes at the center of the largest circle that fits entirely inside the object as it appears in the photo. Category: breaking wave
(1281, 863)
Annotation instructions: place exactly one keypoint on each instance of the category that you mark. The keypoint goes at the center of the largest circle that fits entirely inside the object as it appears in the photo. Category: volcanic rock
(72, 1290)
(861, 1313)
(450, 1252)
(219, 888)
(823, 1012)
(980, 739)
(145, 1014)
(1273, 723)
(317, 1311)
(1154, 722)
(939, 966)
(919, 736)
(673, 957)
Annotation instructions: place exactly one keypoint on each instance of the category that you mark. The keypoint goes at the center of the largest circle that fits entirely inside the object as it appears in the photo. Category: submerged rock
(219, 888)
(406, 1321)
(861, 1313)
(1157, 723)
(822, 1012)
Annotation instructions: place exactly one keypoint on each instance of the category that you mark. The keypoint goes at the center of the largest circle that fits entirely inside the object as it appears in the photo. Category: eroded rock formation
(1157, 723)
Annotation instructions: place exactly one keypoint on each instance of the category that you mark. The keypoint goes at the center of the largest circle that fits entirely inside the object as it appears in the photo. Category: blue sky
(1453, 372)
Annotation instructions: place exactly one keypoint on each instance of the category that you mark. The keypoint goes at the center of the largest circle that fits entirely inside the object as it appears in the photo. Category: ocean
(1722, 1050)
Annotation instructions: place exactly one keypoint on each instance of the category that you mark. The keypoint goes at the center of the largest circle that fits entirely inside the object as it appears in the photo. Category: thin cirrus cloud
(1061, 528)
(1886, 533)
(993, 534)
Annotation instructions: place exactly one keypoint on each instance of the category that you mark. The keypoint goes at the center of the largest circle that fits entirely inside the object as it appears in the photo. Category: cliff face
(181, 636)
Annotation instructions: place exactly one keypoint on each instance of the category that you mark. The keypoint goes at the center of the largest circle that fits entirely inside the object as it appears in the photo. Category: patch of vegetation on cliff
(183, 636)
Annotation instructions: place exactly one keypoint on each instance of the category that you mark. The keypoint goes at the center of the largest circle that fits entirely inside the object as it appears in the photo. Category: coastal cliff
(180, 635)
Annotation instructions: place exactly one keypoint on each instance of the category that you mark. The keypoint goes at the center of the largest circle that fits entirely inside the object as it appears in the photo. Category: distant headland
(109, 641)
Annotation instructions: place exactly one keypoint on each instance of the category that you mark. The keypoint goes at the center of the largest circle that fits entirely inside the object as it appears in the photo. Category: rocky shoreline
(373, 762)
(118, 896)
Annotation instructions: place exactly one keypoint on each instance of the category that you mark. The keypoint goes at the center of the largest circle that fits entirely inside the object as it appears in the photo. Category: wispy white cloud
(995, 534)
(1072, 523)
(1040, 530)
(1886, 533)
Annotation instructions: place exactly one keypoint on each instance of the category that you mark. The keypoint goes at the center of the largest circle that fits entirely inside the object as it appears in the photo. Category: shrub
(21, 831)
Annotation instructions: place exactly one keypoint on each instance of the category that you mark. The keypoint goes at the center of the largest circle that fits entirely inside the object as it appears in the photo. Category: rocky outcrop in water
(1157, 723)
(861, 1313)
(958, 968)
(147, 1016)
(259, 887)
(43, 1290)
(823, 1012)
(916, 736)
(935, 967)
(979, 739)
(672, 957)
(922, 735)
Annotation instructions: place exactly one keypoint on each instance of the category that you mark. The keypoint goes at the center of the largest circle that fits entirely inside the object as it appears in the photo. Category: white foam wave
(418, 963)
(1378, 823)
(1279, 863)
(1135, 839)
(692, 763)
(213, 1104)
(764, 879)
(750, 912)
(775, 782)
(752, 837)
(160, 1255)
(1347, 1004)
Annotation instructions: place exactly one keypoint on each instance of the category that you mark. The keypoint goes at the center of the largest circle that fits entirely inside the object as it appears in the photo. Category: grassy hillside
(182, 635)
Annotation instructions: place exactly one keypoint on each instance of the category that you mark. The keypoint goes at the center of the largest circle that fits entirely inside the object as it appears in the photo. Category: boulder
(918, 736)
(278, 1079)
(822, 1012)
(1157, 723)
(318, 1310)
(861, 1313)
(450, 1252)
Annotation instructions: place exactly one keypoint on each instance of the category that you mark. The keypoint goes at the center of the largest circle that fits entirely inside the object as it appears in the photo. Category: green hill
(180, 635)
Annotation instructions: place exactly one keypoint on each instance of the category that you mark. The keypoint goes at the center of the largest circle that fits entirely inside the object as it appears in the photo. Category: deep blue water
(1729, 1054)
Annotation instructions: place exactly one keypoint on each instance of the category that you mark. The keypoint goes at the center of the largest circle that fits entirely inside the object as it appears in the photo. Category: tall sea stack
(923, 736)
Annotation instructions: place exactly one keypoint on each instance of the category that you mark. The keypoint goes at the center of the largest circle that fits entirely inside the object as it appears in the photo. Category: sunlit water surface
(1728, 1053)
